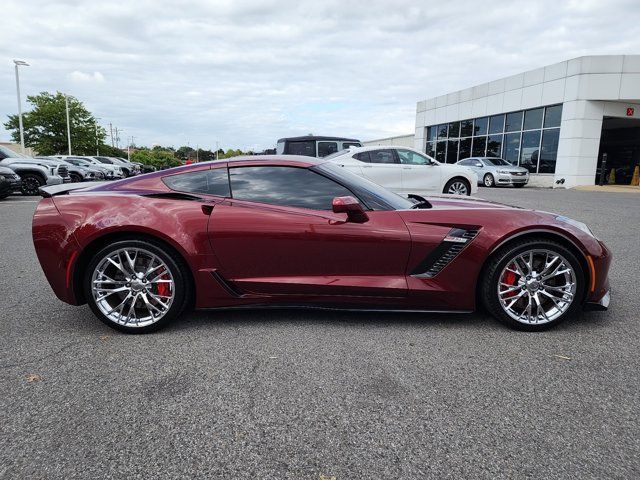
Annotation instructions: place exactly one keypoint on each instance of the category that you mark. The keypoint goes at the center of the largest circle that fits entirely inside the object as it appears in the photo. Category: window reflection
(527, 137)
(549, 150)
(480, 126)
(533, 119)
(494, 146)
(513, 122)
(479, 146)
(530, 150)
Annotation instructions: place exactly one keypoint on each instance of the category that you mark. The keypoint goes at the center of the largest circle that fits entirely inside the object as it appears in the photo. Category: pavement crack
(31, 362)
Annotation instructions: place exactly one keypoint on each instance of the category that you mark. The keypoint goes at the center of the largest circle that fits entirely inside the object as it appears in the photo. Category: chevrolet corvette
(289, 231)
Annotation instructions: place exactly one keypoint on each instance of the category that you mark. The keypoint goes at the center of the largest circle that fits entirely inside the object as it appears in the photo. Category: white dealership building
(557, 121)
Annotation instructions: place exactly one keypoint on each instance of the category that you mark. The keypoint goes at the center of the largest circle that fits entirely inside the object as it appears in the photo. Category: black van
(313, 146)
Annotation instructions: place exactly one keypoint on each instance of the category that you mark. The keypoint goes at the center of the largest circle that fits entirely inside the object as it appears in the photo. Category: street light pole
(97, 143)
(66, 104)
(17, 64)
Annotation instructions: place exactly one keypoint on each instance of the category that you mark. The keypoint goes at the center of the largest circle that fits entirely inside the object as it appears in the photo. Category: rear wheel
(136, 286)
(488, 180)
(31, 183)
(533, 284)
(457, 186)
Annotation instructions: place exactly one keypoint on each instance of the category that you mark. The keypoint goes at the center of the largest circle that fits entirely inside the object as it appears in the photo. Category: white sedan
(405, 170)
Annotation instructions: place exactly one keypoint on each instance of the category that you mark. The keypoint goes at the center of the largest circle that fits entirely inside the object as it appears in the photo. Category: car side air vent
(444, 253)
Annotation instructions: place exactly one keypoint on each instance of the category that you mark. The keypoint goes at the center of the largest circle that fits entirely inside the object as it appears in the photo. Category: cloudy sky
(244, 73)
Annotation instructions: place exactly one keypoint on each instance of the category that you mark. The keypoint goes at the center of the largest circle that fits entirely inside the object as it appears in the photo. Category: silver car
(493, 171)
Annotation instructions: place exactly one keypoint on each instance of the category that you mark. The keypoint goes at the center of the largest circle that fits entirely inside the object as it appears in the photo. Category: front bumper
(601, 305)
(54, 180)
(508, 179)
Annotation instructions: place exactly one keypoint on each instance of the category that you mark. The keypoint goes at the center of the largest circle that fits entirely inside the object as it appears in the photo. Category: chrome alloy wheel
(458, 188)
(537, 286)
(132, 287)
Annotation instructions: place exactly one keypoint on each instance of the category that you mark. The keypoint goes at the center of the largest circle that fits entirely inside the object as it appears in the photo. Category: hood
(458, 202)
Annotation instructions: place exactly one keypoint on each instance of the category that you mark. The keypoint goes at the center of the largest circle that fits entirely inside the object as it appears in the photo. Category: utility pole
(66, 103)
(117, 139)
(197, 148)
(217, 148)
(17, 64)
(129, 148)
(111, 130)
(97, 142)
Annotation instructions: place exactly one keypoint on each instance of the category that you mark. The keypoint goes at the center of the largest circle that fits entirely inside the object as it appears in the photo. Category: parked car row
(24, 174)
(404, 170)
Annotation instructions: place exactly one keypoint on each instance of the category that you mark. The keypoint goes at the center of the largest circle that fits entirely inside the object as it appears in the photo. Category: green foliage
(109, 151)
(45, 126)
(157, 157)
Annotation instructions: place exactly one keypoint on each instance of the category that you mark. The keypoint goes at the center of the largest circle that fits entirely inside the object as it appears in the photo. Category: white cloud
(95, 77)
(250, 72)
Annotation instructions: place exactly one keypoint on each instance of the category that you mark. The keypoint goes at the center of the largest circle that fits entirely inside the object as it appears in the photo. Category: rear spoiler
(65, 188)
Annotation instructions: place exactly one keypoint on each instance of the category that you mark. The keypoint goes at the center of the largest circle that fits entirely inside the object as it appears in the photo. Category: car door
(277, 235)
(382, 167)
(475, 165)
(420, 174)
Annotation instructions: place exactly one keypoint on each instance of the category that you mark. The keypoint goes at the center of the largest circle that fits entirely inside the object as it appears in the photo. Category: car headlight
(575, 223)
(506, 172)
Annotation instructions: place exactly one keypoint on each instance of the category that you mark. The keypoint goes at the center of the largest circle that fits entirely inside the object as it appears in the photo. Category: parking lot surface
(315, 394)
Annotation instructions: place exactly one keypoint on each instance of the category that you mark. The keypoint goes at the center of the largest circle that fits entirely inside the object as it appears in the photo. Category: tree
(157, 157)
(45, 126)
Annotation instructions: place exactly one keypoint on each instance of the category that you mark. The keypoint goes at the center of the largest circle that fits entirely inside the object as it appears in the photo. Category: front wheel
(533, 284)
(75, 178)
(31, 184)
(136, 286)
(457, 186)
(488, 180)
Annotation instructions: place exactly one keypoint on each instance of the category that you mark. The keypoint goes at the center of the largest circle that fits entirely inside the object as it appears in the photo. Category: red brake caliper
(163, 288)
(510, 279)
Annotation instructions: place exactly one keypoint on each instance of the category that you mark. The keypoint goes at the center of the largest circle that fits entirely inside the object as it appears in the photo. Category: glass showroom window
(527, 137)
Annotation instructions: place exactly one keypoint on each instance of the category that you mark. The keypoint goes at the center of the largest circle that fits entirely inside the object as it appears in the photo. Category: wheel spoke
(130, 301)
(530, 299)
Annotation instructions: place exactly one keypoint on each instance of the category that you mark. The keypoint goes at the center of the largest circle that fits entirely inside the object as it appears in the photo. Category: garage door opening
(620, 140)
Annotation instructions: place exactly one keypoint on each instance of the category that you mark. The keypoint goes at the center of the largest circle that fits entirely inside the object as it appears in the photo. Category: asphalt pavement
(317, 395)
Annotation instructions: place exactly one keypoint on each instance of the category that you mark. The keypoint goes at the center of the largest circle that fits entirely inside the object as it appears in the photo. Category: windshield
(7, 152)
(375, 196)
(497, 162)
(78, 161)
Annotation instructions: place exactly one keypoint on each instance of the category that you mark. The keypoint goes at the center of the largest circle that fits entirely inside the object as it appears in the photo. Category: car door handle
(406, 168)
(367, 166)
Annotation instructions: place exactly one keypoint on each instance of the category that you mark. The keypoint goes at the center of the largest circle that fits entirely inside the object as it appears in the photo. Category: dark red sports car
(293, 232)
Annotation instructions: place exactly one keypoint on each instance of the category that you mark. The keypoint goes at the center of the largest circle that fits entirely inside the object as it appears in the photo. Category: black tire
(125, 173)
(176, 266)
(519, 185)
(4, 195)
(499, 260)
(488, 181)
(75, 178)
(31, 182)
(457, 180)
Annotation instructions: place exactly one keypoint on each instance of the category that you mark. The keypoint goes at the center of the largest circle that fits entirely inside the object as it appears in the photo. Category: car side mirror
(479, 165)
(350, 206)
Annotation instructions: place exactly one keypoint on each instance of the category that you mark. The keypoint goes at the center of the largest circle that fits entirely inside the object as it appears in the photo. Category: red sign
(630, 112)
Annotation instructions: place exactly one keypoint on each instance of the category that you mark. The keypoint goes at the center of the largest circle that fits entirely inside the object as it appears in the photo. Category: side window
(382, 156)
(307, 148)
(346, 145)
(465, 163)
(412, 158)
(363, 157)
(285, 186)
(327, 148)
(210, 182)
